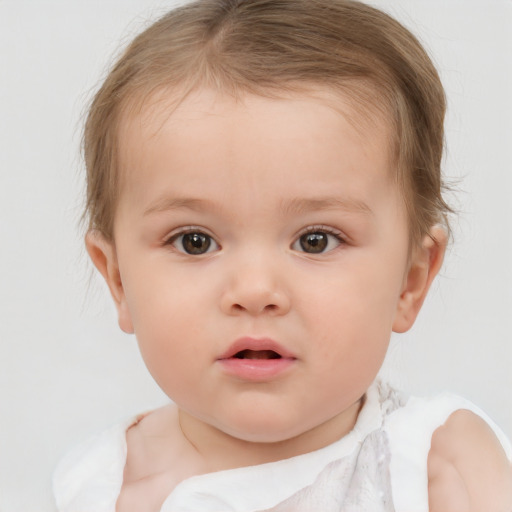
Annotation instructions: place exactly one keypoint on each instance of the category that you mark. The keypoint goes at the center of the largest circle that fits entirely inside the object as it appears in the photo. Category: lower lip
(256, 369)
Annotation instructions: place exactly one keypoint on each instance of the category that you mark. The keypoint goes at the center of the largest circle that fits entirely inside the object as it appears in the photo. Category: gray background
(66, 370)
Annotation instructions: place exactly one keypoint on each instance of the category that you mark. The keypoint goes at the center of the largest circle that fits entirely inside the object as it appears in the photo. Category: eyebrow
(175, 203)
(304, 205)
(292, 207)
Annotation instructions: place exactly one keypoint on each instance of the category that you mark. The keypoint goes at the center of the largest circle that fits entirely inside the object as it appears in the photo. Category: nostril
(257, 302)
(267, 307)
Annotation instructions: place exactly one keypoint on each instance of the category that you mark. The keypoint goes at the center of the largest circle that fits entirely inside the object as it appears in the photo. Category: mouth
(257, 354)
(256, 348)
(256, 360)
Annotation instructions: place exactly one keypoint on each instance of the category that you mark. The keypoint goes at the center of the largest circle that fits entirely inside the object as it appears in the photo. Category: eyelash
(310, 230)
(173, 238)
(340, 239)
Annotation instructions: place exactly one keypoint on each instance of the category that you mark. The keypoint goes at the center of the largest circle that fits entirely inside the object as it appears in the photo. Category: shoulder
(146, 440)
(92, 470)
(468, 469)
(156, 461)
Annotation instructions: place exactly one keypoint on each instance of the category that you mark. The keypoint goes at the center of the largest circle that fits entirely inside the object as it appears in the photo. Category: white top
(380, 466)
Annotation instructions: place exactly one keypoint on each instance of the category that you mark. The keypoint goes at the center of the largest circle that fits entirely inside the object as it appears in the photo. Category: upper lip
(255, 344)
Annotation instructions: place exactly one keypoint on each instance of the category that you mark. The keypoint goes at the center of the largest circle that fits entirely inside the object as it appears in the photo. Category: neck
(216, 450)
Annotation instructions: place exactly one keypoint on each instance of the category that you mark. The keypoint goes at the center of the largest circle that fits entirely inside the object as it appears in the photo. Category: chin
(262, 437)
(263, 429)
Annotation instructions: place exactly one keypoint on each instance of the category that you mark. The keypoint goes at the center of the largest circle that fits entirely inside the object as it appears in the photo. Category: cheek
(353, 316)
(361, 295)
(158, 296)
(166, 315)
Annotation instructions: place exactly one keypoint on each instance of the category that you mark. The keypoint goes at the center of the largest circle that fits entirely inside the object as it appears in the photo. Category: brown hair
(267, 46)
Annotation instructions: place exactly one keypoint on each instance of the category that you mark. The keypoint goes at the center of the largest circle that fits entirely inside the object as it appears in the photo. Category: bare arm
(468, 470)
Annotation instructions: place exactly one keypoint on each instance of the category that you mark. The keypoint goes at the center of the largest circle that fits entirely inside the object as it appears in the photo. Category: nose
(255, 287)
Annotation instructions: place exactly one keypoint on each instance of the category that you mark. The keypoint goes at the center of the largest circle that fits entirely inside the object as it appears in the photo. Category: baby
(264, 198)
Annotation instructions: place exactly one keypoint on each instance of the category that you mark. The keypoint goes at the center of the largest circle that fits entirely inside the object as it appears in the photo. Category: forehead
(255, 155)
(204, 110)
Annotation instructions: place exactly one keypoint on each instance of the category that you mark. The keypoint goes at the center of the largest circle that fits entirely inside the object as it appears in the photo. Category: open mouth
(256, 360)
(257, 354)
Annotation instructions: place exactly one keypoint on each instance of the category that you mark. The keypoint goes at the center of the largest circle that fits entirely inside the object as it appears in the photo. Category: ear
(424, 266)
(103, 254)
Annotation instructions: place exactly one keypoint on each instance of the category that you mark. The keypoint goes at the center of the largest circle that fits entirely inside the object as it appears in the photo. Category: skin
(264, 173)
(468, 470)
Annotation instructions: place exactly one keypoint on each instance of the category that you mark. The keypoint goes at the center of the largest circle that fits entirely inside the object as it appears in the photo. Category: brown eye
(314, 242)
(195, 243)
(318, 241)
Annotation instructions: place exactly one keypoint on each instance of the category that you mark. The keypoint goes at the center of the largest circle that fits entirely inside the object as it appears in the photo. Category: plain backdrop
(66, 371)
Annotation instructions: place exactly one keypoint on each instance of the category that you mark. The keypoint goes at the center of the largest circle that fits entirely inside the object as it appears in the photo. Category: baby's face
(262, 248)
